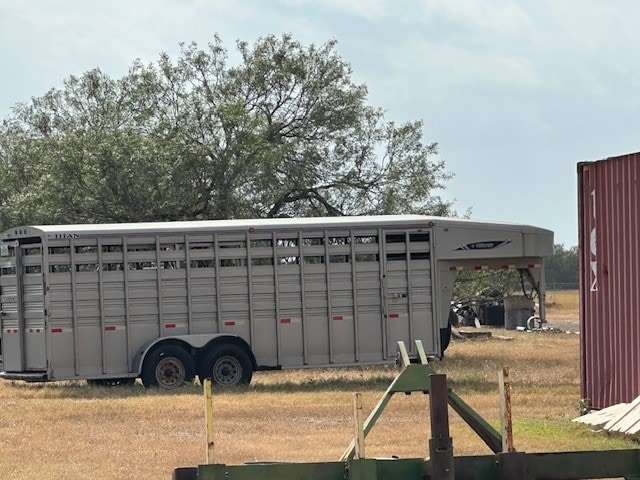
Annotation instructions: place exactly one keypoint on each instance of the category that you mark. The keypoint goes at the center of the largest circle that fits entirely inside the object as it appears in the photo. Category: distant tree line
(561, 269)
(284, 132)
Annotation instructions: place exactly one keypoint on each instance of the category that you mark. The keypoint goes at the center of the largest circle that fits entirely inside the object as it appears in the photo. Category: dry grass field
(562, 304)
(73, 430)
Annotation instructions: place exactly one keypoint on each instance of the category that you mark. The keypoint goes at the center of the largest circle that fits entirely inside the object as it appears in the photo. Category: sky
(515, 93)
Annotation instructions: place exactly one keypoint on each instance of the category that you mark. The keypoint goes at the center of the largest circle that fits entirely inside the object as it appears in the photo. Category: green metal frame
(441, 465)
(416, 377)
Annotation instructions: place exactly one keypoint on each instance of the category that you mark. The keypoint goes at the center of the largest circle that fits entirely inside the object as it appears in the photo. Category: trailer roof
(263, 224)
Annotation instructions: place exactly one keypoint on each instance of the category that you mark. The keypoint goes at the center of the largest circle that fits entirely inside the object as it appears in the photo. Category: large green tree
(282, 132)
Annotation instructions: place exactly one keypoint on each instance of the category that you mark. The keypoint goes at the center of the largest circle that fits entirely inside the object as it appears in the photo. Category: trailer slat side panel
(127, 303)
(10, 309)
(397, 287)
(367, 278)
(327, 275)
(303, 306)
(421, 291)
(234, 285)
(341, 319)
(354, 297)
(250, 295)
(33, 300)
(202, 286)
(409, 295)
(262, 297)
(100, 290)
(187, 267)
(276, 293)
(174, 297)
(115, 304)
(61, 308)
(289, 298)
(609, 255)
(315, 294)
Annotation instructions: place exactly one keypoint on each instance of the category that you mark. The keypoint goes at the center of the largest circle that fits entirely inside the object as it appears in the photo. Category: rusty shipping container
(609, 250)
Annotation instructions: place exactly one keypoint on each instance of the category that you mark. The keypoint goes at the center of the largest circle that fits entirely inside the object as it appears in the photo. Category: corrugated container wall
(609, 250)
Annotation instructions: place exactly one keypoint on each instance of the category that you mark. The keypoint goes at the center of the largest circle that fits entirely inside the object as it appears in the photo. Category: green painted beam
(483, 429)
(502, 466)
(274, 471)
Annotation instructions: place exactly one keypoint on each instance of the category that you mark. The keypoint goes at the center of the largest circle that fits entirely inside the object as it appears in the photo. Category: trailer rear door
(22, 307)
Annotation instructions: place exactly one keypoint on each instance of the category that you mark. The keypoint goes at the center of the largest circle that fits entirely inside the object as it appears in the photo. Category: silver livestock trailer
(168, 301)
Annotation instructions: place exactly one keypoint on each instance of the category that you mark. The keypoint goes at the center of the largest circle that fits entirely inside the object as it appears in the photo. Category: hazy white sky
(516, 93)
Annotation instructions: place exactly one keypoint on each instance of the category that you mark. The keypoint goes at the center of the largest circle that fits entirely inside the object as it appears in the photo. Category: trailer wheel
(227, 365)
(167, 366)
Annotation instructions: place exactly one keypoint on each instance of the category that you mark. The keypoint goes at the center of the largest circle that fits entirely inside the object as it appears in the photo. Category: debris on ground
(622, 418)
(545, 330)
(470, 333)
(473, 334)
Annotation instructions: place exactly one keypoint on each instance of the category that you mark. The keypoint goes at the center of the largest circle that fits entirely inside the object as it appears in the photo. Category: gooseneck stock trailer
(220, 299)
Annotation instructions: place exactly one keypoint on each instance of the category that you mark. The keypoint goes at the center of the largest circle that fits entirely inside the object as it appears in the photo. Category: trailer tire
(167, 366)
(227, 365)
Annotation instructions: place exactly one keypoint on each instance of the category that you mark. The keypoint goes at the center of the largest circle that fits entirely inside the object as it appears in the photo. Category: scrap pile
(622, 418)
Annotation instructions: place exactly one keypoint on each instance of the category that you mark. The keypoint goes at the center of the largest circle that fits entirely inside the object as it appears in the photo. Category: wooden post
(358, 425)
(440, 444)
(505, 410)
(208, 408)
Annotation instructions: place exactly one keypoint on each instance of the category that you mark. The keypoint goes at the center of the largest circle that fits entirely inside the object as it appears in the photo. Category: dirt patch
(566, 321)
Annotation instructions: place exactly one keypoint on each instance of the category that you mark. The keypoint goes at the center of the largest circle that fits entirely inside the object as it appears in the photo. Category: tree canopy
(561, 269)
(284, 131)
